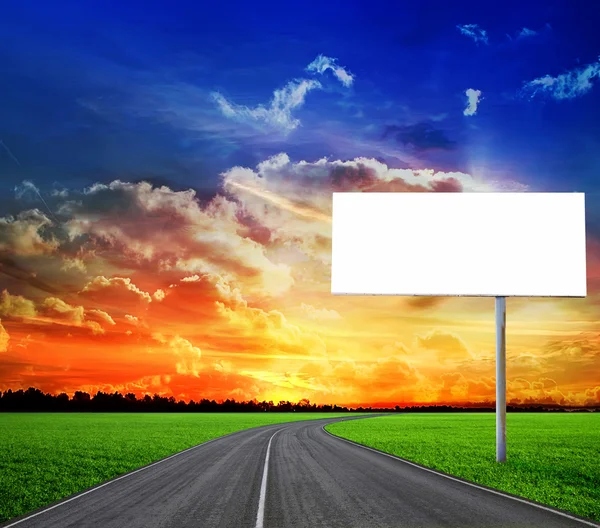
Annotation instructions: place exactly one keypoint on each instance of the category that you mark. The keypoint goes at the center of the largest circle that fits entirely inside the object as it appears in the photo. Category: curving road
(289, 475)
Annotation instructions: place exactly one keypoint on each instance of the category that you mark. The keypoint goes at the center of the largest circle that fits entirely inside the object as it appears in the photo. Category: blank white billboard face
(459, 244)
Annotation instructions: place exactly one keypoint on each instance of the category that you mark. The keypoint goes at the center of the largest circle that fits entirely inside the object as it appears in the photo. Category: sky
(166, 175)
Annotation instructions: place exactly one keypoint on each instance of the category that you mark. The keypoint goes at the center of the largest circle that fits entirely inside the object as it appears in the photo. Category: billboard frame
(500, 318)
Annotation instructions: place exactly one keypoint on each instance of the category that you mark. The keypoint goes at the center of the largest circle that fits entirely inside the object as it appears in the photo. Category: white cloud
(568, 85)
(26, 188)
(322, 63)
(473, 98)
(278, 114)
(27, 234)
(475, 32)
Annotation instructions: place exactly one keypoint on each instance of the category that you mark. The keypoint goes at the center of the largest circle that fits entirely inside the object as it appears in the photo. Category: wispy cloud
(568, 85)
(27, 187)
(475, 32)
(322, 63)
(278, 113)
(526, 32)
(473, 99)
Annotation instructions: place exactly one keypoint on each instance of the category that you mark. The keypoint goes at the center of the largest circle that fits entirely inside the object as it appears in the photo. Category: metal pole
(500, 379)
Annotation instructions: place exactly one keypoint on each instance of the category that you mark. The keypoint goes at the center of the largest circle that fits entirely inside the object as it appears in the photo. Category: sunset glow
(169, 230)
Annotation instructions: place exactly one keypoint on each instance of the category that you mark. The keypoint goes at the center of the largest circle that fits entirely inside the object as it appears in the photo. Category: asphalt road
(289, 475)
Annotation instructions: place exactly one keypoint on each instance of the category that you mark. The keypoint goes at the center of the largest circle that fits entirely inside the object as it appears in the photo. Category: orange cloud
(272, 328)
(100, 317)
(150, 289)
(119, 289)
(592, 396)
(58, 309)
(16, 305)
(449, 346)
(4, 338)
(188, 362)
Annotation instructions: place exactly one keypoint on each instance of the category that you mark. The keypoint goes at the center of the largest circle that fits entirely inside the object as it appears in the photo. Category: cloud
(525, 32)
(158, 295)
(568, 85)
(100, 316)
(73, 263)
(542, 390)
(156, 229)
(322, 63)
(393, 376)
(132, 319)
(4, 338)
(425, 303)
(230, 322)
(396, 349)
(448, 345)
(291, 201)
(188, 356)
(189, 301)
(278, 113)
(453, 386)
(27, 234)
(593, 395)
(214, 267)
(56, 311)
(272, 328)
(389, 372)
(473, 98)
(60, 310)
(475, 32)
(25, 189)
(319, 314)
(119, 290)
(16, 306)
(21, 274)
(421, 136)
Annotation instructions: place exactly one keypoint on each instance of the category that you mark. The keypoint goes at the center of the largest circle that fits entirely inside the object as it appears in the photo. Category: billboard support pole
(500, 379)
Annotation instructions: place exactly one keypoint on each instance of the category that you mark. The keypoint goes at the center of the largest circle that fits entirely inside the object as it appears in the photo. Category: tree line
(34, 400)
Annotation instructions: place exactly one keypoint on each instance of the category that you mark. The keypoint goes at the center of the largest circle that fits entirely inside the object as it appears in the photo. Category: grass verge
(553, 459)
(45, 457)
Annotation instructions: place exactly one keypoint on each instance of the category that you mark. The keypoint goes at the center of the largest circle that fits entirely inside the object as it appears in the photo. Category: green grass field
(553, 459)
(45, 457)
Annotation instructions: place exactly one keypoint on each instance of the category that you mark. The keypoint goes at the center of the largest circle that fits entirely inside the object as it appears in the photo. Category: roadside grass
(552, 458)
(45, 457)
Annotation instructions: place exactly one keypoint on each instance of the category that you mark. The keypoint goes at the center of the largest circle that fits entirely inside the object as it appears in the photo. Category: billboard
(459, 244)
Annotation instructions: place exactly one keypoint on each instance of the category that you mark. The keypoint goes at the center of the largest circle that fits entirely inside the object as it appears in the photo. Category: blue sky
(171, 91)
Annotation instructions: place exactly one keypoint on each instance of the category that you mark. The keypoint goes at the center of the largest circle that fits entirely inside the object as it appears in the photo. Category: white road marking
(260, 514)
(115, 480)
(557, 512)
